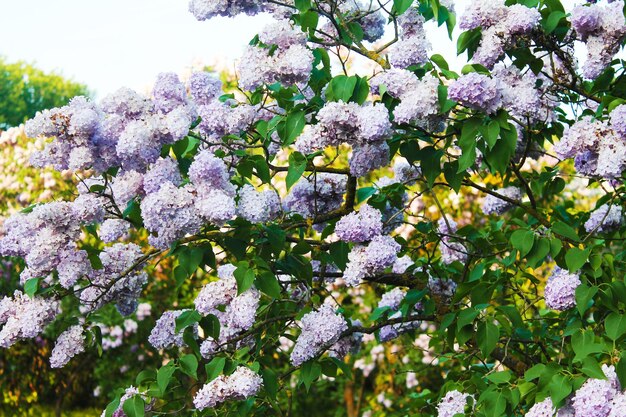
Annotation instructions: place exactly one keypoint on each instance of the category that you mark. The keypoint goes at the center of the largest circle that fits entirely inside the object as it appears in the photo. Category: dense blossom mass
(451, 238)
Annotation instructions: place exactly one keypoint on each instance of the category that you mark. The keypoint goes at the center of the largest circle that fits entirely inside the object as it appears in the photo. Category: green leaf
(187, 318)
(583, 343)
(620, 369)
(291, 127)
(31, 286)
(244, 276)
(309, 372)
(491, 132)
(268, 283)
(401, 6)
(214, 368)
(297, 166)
(592, 369)
(534, 372)
(211, 326)
(189, 365)
(339, 253)
(523, 241)
(134, 406)
(341, 88)
(615, 325)
(552, 21)
(499, 377)
(487, 337)
(270, 382)
(584, 295)
(540, 250)
(560, 387)
(575, 258)
(565, 230)
(302, 5)
(164, 376)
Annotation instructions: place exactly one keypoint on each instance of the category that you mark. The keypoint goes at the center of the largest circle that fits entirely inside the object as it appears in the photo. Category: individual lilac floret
(495, 205)
(320, 329)
(477, 91)
(360, 226)
(560, 291)
(452, 403)
(69, 344)
(164, 334)
(241, 384)
(606, 218)
(594, 397)
(25, 317)
(544, 408)
(113, 229)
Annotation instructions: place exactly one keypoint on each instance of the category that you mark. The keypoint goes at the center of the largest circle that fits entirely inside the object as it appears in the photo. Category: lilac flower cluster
(208, 9)
(367, 260)
(350, 344)
(606, 218)
(560, 291)
(495, 205)
(501, 26)
(241, 384)
(258, 207)
(320, 329)
(236, 313)
(319, 193)
(602, 28)
(418, 97)
(597, 148)
(544, 408)
(412, 47)
(393, 299)
(24, 317)
(290, 63)
(113, 229)
(477, 91)
(361, 226)
(120, 279)
(164, 334)
(364, 127)
(442, 288)
(595, 397)
(371, 20)
(69, 344)
(451, 251)
(452, 403)
(128, 394)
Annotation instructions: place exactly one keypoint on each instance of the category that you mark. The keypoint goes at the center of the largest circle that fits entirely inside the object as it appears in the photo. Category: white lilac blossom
(452, 403)
(402, 264)
(69, 344)
(164, 170)
(72, 266)
(595, 396)
(113, 229)
(601, 28)
(24, 317)
(366, 260)
(501, 27)
(477, 91)
(360, 226)
(618, 120)
(418, 97)
(319, 193)
(257, 206)
(164, 334)
(560, 290)
(496, 205)
(290, 63)
(392, 299)
(618, 405)
(368, 157)
(239, 385)
(320, 329)
(606, 218)
(144, 310)
(544, 408)
(204, 87)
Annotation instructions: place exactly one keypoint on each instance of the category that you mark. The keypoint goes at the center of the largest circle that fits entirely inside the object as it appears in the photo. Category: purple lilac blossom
(560, 290)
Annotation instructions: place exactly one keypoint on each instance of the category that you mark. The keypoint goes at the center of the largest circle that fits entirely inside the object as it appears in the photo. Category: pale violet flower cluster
(241, 384)
(24, 317)
(128, 394)
(291, 63)
(451, 251)
(317, 194)
(496, 205)
(392, 300)
(595, 397)
(361, 226)
(236, 313)
(364, 127)
(69, 344)
(601, 27)
(412, 47)
(418, 97)
(477, 91)
(164, 334)
(208, 9)
(320, 329)
(113, 229)
(452, 403)
(258, 206)
(370, 259)
(604, 219)
(597, 148)
(544, 408)
(560, 291)
(501, 26)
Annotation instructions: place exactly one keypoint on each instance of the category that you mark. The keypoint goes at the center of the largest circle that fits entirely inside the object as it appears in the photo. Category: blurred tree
(25, 90)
